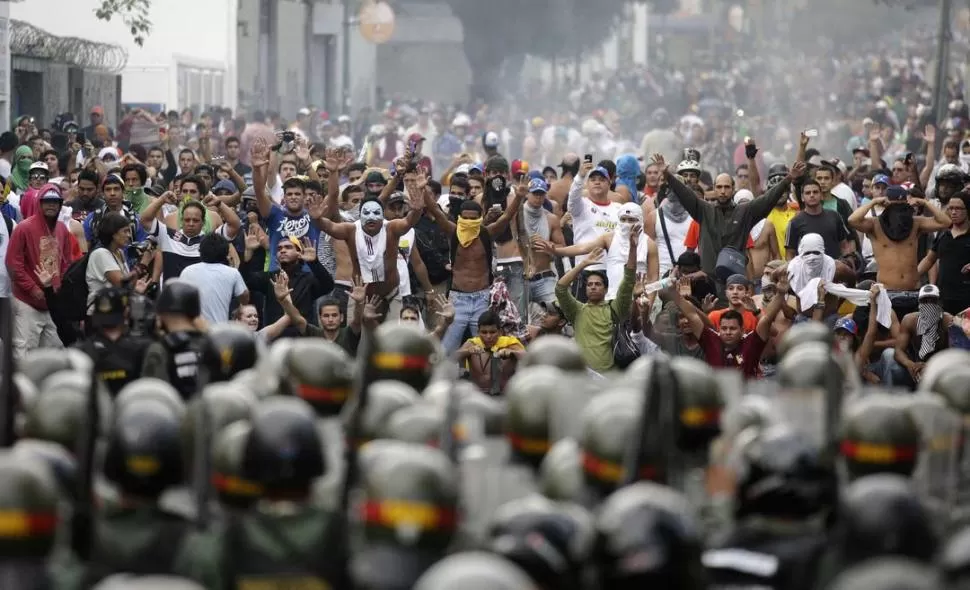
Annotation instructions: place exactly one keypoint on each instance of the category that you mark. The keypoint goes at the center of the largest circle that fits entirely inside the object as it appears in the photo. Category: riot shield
(937, 475)
(489, 480)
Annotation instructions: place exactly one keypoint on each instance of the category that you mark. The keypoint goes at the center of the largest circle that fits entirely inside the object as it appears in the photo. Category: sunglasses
(37, 175)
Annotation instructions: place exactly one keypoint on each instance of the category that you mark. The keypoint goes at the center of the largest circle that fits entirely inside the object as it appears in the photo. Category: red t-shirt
(746, 357)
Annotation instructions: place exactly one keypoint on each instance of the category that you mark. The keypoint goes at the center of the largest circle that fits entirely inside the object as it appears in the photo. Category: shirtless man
(894, 235)
(471, 261)
(559, 190)
(783, 321)
(512, 255)
(541, 226)
(375, 263)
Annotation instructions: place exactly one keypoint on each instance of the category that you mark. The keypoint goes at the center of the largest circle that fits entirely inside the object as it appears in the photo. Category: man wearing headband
(895, 241)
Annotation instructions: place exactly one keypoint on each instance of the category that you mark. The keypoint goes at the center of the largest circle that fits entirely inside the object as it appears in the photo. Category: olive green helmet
(475, 569)
(805, 332)
(320, 372)
(29, 502)
(383, 399)
(408, 513)
(59, 414)
(420, 423)
(233, 490)
(555, 351)
(41, 363)
(406, 353)
(609, 424)
(699, 404)
(561, 473)
(530, 395)
(879, 435)
(151, 388)
(226, 403)
(486, 410)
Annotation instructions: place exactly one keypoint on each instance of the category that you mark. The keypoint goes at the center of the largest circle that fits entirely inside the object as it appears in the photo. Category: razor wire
(26, 40)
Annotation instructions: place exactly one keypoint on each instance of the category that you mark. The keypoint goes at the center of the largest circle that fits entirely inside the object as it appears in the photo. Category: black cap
(551, 307)
(689, 259)
(375, 177)
(109, 307)
(497, 163)
(396, 197)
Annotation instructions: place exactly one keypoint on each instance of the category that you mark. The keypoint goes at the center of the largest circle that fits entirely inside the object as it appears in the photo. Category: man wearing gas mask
(894, 234)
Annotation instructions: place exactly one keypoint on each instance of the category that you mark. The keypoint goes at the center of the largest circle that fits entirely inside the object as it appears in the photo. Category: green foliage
(134, 13)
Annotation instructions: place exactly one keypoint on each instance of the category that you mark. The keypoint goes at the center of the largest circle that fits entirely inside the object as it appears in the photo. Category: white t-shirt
(590, 220)
(100, 263)
(218, 284)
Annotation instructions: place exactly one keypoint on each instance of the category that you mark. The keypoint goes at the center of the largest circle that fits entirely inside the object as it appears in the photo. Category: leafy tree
(134, 13)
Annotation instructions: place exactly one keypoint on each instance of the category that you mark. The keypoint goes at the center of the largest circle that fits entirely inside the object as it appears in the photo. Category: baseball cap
(737, 279)
(835, 163)
(476, 166)
(225, 186)
(39, 166)
(415, 138)
(689, 259)
(52, 192)
(462, 169)
(929, 292)
(601, 171)
(375, 177)
(396, 197)
(249, 193)
(519, 167)
(97, 110)
(861, 149)
(304, 112)
(848, 324)
(880, 179)
(896, 193)
(538, 185)
(491, 139)
(551, 307)
(109, 307)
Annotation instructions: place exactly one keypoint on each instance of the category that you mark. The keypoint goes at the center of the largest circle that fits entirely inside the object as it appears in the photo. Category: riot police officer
(227, 350)
(283, 455)
(29, 502)
(175, 358)
(117, 355)
(784, 493)
(143, 459)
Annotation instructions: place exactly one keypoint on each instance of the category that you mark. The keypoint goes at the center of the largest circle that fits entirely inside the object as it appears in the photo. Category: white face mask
(371, 211)
(964, 158)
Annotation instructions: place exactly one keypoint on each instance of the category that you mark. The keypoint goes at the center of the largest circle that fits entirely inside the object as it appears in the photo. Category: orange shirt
(693, 237)
(750, 320)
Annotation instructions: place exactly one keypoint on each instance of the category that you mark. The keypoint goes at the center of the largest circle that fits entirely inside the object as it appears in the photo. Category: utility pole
(942, 57)
(345, 59)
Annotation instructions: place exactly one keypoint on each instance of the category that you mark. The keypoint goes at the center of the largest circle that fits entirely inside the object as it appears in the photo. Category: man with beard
(724, 225)
(923, 333)
(894, 235)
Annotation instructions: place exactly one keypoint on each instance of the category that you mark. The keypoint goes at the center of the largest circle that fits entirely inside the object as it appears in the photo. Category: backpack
(73, 296)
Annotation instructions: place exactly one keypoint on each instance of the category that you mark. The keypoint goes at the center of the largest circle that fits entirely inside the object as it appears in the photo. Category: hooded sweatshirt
(627, 170)
(20, 171)
(34, 240)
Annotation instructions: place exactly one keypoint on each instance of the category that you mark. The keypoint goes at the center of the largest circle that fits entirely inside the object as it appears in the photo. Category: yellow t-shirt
(780, 218)
(502, 342)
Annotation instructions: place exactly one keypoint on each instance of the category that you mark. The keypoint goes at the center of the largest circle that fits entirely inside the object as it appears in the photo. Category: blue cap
(538, 185)
(476, 166)
(224, 185)
(896, 193)
(880, 179)
(601, 171)
(847, 324)
(535, 174)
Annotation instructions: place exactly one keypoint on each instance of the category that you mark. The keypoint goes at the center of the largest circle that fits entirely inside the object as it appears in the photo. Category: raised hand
(259, 153)
(595, 256)
(252, 237)
(707, 306)
(281, 286)
(929, 134)
(316, 207)
(798, 169)
(309, 252)
(635, 234)
(359, 293)
(658, 160)
(372, 309)
(446, 311)
(143, 284)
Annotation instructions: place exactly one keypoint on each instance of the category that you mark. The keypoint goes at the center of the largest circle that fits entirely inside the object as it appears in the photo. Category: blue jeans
(889, 371)
(513, 275)
(468, 308)
(543, 290)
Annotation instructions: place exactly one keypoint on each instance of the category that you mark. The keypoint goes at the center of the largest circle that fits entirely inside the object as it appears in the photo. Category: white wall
(194, 33)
